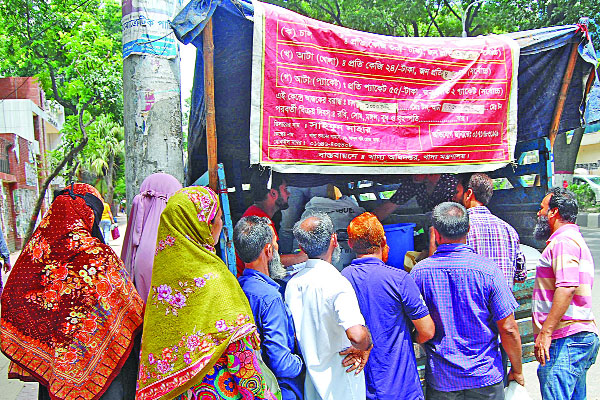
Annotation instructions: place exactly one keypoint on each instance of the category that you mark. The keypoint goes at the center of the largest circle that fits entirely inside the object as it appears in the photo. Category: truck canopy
(543, 60)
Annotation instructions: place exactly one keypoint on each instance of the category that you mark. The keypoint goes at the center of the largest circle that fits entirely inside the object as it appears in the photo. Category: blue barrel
(400, 238)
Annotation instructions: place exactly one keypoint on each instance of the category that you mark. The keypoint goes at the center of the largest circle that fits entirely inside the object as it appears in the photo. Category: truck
(556, 72)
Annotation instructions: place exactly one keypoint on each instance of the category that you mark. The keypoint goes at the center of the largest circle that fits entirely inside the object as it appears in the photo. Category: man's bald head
(313, 234)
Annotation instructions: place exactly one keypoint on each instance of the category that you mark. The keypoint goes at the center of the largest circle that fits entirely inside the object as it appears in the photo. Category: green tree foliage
(585, 195)
(444, 17)
(73, 47)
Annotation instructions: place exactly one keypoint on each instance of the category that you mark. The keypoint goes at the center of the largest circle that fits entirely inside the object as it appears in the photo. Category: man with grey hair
(470, 303)
(490, 236)
(327, 317)
(256, 245)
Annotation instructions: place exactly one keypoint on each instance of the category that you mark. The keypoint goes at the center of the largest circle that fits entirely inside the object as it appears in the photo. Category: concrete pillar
(152, 119)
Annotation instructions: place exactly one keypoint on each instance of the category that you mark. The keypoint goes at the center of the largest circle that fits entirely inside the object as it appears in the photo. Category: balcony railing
(5, 147)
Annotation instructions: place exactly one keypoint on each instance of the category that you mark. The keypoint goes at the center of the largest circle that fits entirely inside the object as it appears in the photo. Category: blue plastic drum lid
(400, 239)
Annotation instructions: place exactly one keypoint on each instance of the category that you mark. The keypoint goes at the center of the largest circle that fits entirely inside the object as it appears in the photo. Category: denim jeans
(297, 200)
(105, 228)
(563, 377)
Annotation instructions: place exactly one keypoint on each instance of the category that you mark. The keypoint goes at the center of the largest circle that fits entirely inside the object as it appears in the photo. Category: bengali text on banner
(328, 99)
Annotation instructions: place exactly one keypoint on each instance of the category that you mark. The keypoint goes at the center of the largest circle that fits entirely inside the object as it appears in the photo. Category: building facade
(29, 127)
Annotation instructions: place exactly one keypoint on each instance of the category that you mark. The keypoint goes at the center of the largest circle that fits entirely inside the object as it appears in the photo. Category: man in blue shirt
(470, 304)
(391, 303)
(256, 245)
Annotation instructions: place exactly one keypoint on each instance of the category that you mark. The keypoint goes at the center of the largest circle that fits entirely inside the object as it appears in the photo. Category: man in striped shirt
(566, 335)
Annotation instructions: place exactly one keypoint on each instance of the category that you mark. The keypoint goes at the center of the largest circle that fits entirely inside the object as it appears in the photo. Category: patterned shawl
(69, 311)
(196, 307)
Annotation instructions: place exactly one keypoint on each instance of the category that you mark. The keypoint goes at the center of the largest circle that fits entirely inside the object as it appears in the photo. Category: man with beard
(270, 193)
(391, 303)
(566, 335)
(327, 317)
(255, 244)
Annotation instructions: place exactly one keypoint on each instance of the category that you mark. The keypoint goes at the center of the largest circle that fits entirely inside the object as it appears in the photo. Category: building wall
(589, 153)
(19, 190)
(26, 120)
(26, 88)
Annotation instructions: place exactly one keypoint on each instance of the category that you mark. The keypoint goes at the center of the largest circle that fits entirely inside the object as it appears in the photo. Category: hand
(517, 377)
(6, 267)
(355, 359)
(542, 347)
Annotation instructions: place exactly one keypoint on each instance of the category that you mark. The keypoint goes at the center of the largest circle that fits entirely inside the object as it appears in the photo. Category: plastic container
(400, 239)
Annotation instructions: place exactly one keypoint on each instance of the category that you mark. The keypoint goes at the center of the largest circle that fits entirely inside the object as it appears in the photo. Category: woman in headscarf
(69, 311)
(142, 227)
(199, 336)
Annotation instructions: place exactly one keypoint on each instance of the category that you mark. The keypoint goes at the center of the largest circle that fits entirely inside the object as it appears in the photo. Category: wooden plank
(208, 48)
(562, 96)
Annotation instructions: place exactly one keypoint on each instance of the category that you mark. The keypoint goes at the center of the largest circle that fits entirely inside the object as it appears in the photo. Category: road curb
(588, 220)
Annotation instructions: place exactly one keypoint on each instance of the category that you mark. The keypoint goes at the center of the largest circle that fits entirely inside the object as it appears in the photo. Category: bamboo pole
(209, 102)
(589, 83)
(562, 97)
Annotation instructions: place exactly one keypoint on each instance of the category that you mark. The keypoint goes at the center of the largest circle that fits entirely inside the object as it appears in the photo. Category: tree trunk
(153, 141)
(68, 158)
(565, 156)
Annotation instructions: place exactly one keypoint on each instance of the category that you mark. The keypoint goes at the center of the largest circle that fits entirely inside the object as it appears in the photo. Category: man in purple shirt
(391, 303)
(490, 236)
(470, 304)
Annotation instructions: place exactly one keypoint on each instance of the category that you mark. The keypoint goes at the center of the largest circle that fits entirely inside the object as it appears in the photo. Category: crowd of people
(169, 320)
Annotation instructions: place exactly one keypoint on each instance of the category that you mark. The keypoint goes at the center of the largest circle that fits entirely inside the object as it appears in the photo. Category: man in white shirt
(327, 317)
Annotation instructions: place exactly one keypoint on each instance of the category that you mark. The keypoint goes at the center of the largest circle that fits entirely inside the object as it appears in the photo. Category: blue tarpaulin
(543, 60)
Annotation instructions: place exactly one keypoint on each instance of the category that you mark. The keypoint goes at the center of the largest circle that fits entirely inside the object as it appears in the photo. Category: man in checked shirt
(490, 236)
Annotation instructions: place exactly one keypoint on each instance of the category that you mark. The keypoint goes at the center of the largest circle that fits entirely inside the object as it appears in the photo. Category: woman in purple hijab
(139, 243)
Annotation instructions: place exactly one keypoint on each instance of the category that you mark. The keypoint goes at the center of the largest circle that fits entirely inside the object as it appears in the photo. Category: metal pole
(464, 18)
(209, 100)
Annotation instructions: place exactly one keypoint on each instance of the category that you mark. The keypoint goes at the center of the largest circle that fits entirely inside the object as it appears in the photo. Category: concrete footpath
(588, 220)
(13, 389)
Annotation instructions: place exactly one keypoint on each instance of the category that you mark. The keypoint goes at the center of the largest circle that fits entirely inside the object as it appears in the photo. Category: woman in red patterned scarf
(69, 311)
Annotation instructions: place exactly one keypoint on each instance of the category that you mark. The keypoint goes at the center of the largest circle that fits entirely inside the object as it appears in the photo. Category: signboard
(329, 99)
(146, 26)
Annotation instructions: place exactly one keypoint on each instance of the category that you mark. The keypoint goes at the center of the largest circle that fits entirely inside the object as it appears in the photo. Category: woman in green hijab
(199, 336)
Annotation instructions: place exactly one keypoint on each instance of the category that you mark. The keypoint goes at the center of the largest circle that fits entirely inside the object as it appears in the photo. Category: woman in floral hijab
(69, 311)
(199, 337)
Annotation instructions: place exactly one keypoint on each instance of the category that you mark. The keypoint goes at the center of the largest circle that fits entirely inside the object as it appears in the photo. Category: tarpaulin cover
(332, 99)
(543, 60)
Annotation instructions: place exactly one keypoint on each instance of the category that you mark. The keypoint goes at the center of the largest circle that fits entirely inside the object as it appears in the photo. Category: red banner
(326, 98)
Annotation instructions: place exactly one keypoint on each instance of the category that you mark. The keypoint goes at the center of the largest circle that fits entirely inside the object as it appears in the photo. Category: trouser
(297, 200)
(563, 376)
(105, 228)
(492, 392)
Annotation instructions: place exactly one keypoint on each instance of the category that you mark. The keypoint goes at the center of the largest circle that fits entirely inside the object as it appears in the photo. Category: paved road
(16, 390)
